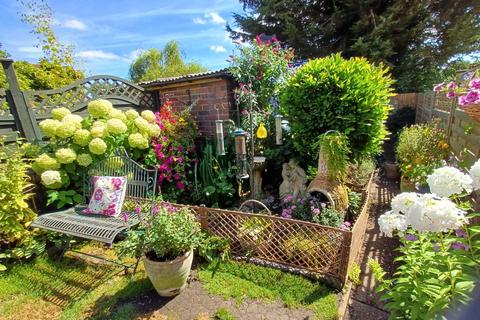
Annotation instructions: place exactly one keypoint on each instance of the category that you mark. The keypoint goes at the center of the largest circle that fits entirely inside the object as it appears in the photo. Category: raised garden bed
(290, 244)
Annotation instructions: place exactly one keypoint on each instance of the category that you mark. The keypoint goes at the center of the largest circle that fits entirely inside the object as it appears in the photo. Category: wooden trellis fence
(304, 246)
(20, 111)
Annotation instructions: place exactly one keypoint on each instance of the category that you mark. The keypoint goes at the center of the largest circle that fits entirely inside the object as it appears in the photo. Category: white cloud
(30, 49)
(218, 49)
(98, 55)
(199, 21)
(75, 24)
(214, 17)
(134, 54)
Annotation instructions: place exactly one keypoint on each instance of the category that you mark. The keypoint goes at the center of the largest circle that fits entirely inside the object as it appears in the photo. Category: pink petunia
(474, 84)
(438, 87)
(450, 94)
(451, 85)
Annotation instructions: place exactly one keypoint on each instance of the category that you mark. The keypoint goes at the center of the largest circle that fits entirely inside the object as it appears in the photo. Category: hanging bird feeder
(278, 129)
(220, 137)
(241, 153)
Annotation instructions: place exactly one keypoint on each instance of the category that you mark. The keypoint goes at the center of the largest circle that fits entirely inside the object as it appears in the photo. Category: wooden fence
(293, 244)
(463, 132)
(27, 108)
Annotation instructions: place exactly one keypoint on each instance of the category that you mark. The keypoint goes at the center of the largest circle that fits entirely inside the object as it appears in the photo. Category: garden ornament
(294, 180)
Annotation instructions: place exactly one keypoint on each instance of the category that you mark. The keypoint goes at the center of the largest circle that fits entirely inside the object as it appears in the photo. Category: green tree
(416, 38)
(57, 66)
(168, 62)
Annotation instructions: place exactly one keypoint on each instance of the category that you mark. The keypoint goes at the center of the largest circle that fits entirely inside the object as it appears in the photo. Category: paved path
(364, 303)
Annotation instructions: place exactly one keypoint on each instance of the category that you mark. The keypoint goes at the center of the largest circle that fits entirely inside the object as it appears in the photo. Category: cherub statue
(294, 180)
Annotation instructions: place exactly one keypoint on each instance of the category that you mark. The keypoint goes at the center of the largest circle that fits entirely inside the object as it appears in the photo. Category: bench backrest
(141, 182)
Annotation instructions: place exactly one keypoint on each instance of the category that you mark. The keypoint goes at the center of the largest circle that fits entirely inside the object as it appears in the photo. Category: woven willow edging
(325, 251)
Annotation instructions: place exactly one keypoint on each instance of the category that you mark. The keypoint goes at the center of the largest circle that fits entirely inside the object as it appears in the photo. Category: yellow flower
(261, 131)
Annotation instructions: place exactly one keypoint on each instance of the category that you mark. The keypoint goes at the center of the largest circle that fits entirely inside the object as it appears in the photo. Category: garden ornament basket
(472, 110)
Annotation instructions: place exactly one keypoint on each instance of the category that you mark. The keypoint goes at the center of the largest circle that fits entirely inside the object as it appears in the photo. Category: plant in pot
(421, 149)
(254, 233)
(165, 242)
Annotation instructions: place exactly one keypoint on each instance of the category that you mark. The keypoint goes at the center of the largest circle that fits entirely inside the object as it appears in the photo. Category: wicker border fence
(324, 251)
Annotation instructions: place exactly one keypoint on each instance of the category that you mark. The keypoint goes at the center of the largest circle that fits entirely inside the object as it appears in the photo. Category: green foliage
(361, 171)
(421, 148)
(167, 233)
(214, 248)
(215, 184)
(16, 214)
(334, 147)
(437, 272)
(261, 67)
(354, 204)
(241, 281)
(330, 217)
(397, 33)
(399, 119)
(224, 314)
(349, 96)
(168, 62)
(354, 274)
(64, 197)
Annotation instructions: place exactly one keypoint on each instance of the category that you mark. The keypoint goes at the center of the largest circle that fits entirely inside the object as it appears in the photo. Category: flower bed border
(330, 260)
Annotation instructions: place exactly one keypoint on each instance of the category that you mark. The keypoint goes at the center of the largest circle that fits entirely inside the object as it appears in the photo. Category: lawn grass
(67, 289)
(241, 280)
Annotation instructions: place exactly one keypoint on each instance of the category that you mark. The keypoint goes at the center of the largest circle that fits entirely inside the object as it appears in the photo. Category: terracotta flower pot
(169, 278)
(392, 171)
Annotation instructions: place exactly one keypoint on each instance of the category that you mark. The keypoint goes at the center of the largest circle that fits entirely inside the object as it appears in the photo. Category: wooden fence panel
(8, 127)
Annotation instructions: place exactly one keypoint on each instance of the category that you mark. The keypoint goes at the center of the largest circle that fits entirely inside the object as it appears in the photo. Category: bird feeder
(241, 153)
(220, 137)
(278, 129)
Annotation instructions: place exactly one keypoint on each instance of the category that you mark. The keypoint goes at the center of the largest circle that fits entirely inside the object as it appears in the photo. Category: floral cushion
(108, 195)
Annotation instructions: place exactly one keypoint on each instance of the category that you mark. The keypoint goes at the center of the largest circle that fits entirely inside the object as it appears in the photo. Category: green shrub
(330, 217)
(335, 148)
(350, 96)
(16, 240)
(421, 148)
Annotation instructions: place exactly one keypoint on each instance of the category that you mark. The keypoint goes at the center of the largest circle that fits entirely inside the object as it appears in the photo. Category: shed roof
(222, 73)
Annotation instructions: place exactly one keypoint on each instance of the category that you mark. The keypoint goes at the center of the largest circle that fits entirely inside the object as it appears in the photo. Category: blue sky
(107, 34)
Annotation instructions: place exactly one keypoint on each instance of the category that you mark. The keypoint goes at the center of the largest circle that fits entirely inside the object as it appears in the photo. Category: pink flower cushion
(108, 196)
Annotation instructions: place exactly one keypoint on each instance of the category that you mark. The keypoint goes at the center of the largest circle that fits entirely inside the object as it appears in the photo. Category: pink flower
(474, 84)
(472, 97)
(258, 40)
(180, 149)
(180, 185)
(274, 39)
(155, 210)
(176, 176)
(160, 155)
(180, 159)
(451, 85)
(450, 94)
(125, 217)
(316, 211)
(171, 149)
(98, 194)
(138, 209)
(438, 87)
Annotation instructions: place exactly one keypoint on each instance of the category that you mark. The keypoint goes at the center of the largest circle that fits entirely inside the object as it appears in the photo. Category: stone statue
(294, 180)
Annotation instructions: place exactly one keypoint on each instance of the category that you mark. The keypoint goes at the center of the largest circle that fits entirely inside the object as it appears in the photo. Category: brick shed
(206, 91)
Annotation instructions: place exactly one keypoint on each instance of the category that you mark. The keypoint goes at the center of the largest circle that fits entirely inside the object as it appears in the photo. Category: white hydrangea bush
(78, 142)
(435, 211)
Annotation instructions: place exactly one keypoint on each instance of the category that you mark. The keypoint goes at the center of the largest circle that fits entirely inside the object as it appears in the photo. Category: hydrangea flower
(117, 114)
(73, 119)
(65, 130)
(391, 221)
(49, 127)
(99, 108)
(84, 159)
(142, 125)
(45, 162)
(154, 130)
(99, 130)
(433, 214)
(403, 202)
(97, 146)
(65, 155)
(148, 115)
(116, 126)
(131, 114)
(137, 140)
(82, 137)
(447, 181)
(475, 175)
(60, 113)
(52, 179)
